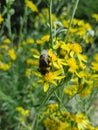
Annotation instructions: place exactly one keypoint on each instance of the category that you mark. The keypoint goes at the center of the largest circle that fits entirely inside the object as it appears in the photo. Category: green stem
(44, 102)
(50, 22)
(74, 10)
(49, 94)
(48, 97)
(9, 25)
(23, 23)
(60, 101)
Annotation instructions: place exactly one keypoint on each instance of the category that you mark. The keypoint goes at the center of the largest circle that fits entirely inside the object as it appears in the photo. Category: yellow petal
(82, 57)
(40, 81)
(95, 76)
(58, 72)
(46, 86)
(56, 65)
(36, 56)
(59, 77)
(53, 82)
(72, 54)
(79, 75)
(36, 74)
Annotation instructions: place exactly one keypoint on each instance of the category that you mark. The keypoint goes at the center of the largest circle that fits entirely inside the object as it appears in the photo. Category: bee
(44, 62)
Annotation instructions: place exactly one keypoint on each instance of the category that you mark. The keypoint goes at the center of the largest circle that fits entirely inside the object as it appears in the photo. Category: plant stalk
(72, 16)
(50, 23)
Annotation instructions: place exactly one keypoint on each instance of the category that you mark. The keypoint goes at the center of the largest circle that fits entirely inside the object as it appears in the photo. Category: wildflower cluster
(62, 119)
(23, 115)
(48, 68)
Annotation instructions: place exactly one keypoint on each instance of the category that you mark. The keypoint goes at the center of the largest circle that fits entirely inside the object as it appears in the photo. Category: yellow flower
(96, 57)
(1, 19)
(87, 88)
(54, 18)
(56, 61)
(82, 57)
(65, 23)
(56, 120)
(22, 120)
(72, 65)
(22, 111)
(78, 22)
(81, 32)
(89, 39)
(57, 44)
(4, 47)
(87, 26)
(73, 88)
(51, 77)
(31, 5)
(23, 42)
(19, 108)
(95, 16)
(76, 48)
(12, 54)
(27, 72)
(30, 41)
(7, 41)
(82, 66)
(31, 62)
(81, 120)
(94, 66)
(34, 51)
(63, 52)
(39, 42)
(25, 112)
(4, 67)
(53, 106)
(96, 128)
(72, 31)
(55, 124)
(90, 127)
(44, 39)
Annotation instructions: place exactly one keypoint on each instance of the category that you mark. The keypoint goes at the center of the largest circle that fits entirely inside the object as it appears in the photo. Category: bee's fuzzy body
(44, 62)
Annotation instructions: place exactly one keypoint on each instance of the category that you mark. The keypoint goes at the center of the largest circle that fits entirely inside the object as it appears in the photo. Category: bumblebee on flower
(44, 62)
(46, 73)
